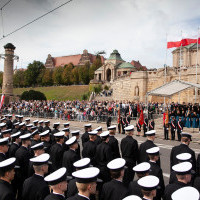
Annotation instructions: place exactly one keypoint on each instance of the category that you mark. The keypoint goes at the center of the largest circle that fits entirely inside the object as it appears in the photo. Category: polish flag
(2, 100)
(184, 41)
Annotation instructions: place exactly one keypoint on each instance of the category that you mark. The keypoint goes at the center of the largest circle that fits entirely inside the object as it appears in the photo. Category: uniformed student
(85, 136)
(145, 126)
(16, 119)
(58, 183)
(104, 156)
(16, 127)
(22, 128)
(70, 156)
(56, 127)
(80, 164)
(66, 137)
(40, 128)
(113, 142)
(85, 182)
(3, 126)
(21, 118)
(89, 149)
(15, 144)
(35, 123)
(47, 126)
(151, 125)
(29, 126)
(45, 138)
(183, 148)
(141, 170)
(115, 189)
(139, 128)
(35, 137)
(9, 123)
(155, 170)
(66, 124)
(99, 131)
(57, 151)
(166, 131)
(179, 128)
(4, 148)
(186, 193)
(27, 121)
(76, 133)
(6, 133)
(129, 150)
(173, 128)
(148, 186)
(35, 188)
(132, 197)
(7, 174)
(183, 173)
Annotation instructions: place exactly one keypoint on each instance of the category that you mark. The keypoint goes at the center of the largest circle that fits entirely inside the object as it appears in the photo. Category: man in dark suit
(173, 128)
(15, 144)
(85, 136)
(145, 126)
(179, 128)
(40, 128)
(4, 148)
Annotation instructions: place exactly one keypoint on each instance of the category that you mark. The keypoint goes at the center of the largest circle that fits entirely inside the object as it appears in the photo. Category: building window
(99, 77)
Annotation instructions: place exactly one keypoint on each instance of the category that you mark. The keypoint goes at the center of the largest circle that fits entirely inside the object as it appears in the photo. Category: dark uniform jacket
(2, 157)
(76, 197)
(171, 188)
(98, 140)
(40, 129)
(197, 183)
(6, 192)
(182, 148)
(15, 130)
(46, 128)
(135, 189)
(9, 124)
(12, 150)
(85, 138)
(114, 190)
(53, 196)
(69, 158)
(55, 130)
(56, 155)
(47, 147)
(35, 188)
(71, 188)
(113, 143)
(89, 151)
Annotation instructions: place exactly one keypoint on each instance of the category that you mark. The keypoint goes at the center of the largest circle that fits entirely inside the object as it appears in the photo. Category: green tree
(19, 78)
(75, 76)
(57, 75)
(32, 73)
(67, 74)
(84, 73)
(47, 78)
(96, 64)
(1, 78)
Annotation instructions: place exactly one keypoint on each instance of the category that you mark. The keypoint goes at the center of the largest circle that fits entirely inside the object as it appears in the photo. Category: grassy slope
(59, 92)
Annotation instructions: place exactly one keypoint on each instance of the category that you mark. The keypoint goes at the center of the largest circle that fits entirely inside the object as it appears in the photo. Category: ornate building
(77, 60)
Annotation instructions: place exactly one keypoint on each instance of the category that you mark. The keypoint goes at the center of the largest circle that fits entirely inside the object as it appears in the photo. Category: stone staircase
(103, 98)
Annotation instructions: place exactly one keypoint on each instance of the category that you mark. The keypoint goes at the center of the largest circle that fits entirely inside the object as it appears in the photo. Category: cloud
(137, 28)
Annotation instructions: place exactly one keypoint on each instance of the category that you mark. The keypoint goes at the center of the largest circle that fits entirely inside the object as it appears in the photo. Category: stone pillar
(7, 88)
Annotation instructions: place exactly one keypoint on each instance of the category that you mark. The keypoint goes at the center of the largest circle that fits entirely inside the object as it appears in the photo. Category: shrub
(106, 87)
(33, 95)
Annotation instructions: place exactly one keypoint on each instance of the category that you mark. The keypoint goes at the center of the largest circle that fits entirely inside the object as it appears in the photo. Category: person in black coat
(70, 156)
(15, 120)
(166, 131)
(45, 138)
(77, 135)
(47, 127)
(9, 123)
(99, 131)
(40, 128)
(173, 128)
(108, 122)
(141, 170)
(4, 148)
(15, 144)
(115, 189)
(129, 150)
(57, 151)
(16, 127)
(151, 125)
(104, 156)
(89, 149)
(179, 128)
(85, 136)
(7, 174)
(35, 188)
(55, 128)
(113, 142)
(145, 126)
(66, 137)
(183, 148)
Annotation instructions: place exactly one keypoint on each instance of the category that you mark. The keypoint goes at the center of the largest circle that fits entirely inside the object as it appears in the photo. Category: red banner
(141, 119)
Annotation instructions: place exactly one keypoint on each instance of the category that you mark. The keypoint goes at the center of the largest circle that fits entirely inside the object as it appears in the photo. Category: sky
(138, 29)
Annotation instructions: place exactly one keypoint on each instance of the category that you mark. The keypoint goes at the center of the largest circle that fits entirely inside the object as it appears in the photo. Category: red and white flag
(2, 100)
(185, 40)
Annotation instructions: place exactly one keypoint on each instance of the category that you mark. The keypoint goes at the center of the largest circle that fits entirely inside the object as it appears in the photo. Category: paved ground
(165, 145)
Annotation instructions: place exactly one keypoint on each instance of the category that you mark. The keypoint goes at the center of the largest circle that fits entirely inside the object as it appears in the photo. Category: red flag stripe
(183, 42)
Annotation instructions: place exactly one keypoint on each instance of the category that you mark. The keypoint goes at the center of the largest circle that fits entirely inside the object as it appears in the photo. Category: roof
(115, 56)
(138, 66)
(9, 46)
(172, 88)
(64, 60)
(125, 65)
(100, 69)
(190, 46)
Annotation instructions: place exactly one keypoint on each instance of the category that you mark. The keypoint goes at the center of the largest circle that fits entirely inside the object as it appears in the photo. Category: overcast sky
(136, 28)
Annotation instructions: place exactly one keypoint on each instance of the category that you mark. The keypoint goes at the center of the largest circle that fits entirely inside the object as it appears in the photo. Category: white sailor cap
(183, 134)
(186, 193)
(17, 123)
(71, 140)
(56, 124)
(153, 150)
(8, 164)
(16, 116)
(142, 168)
(113, 127)
(44, 133)
(65, 129)
(148, 183)
(184, 156)
(25, 136)
(116, 164)
(33, 127)
(2, 124)
(3, 119)
(77, 132)
(6, 131)
(104, 134)
(29, 125)
(150, 133)
(41, 159)
(16, 135)
(22, 124)
(20, 116)
(98, 129)
(93, 132)
(35, 121)
(59, 134)
(86, 175)
(82, 163)
(38, 146)
(41, 121)
(182, 168)
(66, 123)
(46, 121)
(88, 125)
(27, 119)
(129, 128)
(4, 141)
(35, 132)
(132, 197)
(56, 177)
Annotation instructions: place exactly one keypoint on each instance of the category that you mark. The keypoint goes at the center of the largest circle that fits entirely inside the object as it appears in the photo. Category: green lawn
(59, 92)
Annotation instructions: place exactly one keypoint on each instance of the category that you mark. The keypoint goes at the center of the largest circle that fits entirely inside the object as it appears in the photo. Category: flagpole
(180, 67)
(165, 68)
(197, 63)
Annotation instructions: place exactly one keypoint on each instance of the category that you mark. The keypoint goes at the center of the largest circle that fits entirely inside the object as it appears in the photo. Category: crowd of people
(39, 162)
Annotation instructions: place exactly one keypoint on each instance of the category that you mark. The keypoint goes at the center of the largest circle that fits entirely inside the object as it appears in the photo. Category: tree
(67, 74)
(33, 95)
(84, 73)
(57, 75)
(19, 78)
(32, 73)
(75, 76)
(96, 64)
(47, 78)
(1, 78)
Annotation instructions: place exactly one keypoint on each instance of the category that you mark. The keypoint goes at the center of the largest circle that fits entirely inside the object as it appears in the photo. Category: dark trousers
(179, 134)
(145, 130)
(166, 134)
(172, 134)
(128, 173)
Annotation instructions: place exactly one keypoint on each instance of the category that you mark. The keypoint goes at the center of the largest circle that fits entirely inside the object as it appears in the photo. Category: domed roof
(115, 56)
(126, 65)
(9, 46)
